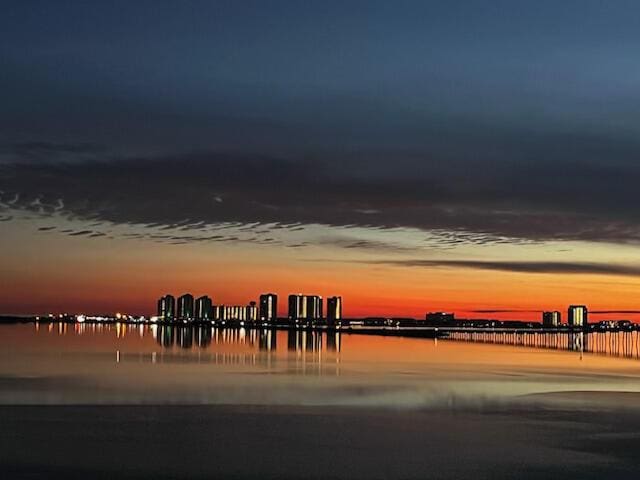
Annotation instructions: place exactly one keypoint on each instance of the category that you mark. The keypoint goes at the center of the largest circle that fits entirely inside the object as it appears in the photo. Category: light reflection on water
(124, 363)
(611, 343)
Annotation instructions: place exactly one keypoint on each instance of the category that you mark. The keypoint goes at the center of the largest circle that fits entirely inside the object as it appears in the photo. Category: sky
(478, 157)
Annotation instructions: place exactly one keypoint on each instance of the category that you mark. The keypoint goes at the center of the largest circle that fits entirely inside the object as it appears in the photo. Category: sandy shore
(315, 442)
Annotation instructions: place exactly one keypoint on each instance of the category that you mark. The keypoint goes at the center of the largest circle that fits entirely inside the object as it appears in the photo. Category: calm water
(126, 364)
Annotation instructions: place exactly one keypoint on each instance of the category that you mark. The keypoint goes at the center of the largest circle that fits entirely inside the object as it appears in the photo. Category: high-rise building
(334, 309)
(440, 318)
(235, 313)
(314, 308)
(268, 307)
(204, 311)
(305, 307)
(551, 319)
(577, 316)
(167, 308)
(297, 307)
(185, 307)
(251, 312)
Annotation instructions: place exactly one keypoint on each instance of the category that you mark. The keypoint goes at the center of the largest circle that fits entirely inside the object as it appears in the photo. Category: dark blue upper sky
(304, 75)
(468, 108)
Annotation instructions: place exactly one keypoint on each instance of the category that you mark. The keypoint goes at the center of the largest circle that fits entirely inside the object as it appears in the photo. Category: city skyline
(266, 307)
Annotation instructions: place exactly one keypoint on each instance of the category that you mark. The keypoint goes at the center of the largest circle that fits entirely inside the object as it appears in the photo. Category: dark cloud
(360, 244)
(43, 151)
(607, 312)
(459, 202)
(520, 267)
(511, 123)
(505, 311)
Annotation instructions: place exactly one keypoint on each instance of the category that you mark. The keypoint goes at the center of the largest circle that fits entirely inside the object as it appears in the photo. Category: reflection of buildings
(167, 308)
(268, 307)
(306, 341)
(185, 307)
(202, 336)
(184, 337)
(292, 340)
(203, 309)
(165, 336)
(334, 310)
(333, 341)
(577, 341)
(577, 316)
(267, 339)
(305, 307)
(551, 319)
(168, 335)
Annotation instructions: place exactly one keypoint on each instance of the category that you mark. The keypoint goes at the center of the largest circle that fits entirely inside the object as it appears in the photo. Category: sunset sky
(478, 157)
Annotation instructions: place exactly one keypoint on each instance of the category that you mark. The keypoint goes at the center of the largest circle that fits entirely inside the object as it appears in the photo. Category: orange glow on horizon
(55, 274)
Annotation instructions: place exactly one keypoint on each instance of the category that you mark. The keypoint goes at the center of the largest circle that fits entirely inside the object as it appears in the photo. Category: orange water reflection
(120, 363)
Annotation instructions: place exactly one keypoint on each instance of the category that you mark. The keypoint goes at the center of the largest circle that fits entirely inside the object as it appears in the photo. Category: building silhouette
(297, 307)
(551, 319)
(185, 307)
(235, 313)
(251, 312)
(305, 307)
(334, 309)
(203, 309)
(440, 318)
(167, 308)
(577, 316)
(269, 307)
(314, 308)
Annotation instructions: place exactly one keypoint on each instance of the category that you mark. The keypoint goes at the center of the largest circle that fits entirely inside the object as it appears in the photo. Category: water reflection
(265, 340)
(619, 344)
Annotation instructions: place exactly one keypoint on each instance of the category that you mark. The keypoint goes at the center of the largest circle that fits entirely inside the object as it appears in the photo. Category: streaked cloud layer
(190, 192)
(521, 266)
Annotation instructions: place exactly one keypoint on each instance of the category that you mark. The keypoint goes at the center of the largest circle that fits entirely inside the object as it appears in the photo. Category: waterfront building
(314, 308)
(185, 307)
(167, 308)
(235, 313)
(269, 308)
(577, 316)
(439, 318)
(551, 319)
(251, 314)
(297, 307)
(334, 309)
(305, 307)
(203, 309)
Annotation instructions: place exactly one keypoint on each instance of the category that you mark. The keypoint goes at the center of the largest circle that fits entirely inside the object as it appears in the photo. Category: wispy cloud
(506, 311)
(607, 312)
(519, 267)
(510, 205)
